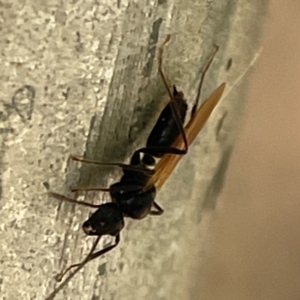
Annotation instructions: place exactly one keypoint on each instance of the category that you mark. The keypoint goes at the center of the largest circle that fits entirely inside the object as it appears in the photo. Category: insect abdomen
(166, 129)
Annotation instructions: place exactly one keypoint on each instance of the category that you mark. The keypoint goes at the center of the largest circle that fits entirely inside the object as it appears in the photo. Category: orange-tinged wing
(169, 161)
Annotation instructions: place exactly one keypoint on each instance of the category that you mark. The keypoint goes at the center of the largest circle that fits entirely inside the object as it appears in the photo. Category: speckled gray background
(82, 76)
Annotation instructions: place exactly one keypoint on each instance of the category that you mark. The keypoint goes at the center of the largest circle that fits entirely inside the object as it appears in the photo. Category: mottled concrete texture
(81, 76)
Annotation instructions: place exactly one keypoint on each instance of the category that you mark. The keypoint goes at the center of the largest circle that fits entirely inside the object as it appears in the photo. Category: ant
(134, 195)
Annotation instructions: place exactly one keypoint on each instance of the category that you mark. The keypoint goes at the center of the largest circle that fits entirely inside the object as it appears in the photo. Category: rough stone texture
(81, 76)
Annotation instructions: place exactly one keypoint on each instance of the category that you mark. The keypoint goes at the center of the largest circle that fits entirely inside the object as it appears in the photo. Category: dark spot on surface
(27, 269)
(6, 112)
(23, 102)
(102, 269)
(16, 64)
(220, 125)
(6, 130)
(66, 93)
(217, 182)
(46, 185)
(152, 47)
(1, 190)
(121, 266)
(229, 64)
(79, 45)
(160, 2)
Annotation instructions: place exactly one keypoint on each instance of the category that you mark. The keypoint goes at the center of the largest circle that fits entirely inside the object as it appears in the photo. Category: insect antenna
(71, 200)
(173, 101)
(123, 166)
(194, 109)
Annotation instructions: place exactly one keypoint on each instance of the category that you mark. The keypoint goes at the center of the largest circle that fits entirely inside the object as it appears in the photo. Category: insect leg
(123, 166)
(173, 101)
(134, 166)
(158, 212)
(64, 198)
(195, 106)
(90, 256)
(124, 188)
(83, 188)
(66, 270)
(105, 250)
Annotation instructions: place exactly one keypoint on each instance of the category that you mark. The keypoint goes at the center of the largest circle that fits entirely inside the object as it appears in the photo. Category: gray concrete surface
(81, 76)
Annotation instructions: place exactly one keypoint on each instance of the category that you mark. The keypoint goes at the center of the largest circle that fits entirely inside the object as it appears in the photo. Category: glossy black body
(108, 219)
(126, 194)
(166, 129)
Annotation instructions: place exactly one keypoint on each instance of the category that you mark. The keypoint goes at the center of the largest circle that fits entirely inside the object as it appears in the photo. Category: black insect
(134, 195)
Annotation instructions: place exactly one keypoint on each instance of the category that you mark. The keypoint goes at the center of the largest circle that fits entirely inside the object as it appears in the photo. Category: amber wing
(169, 161)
